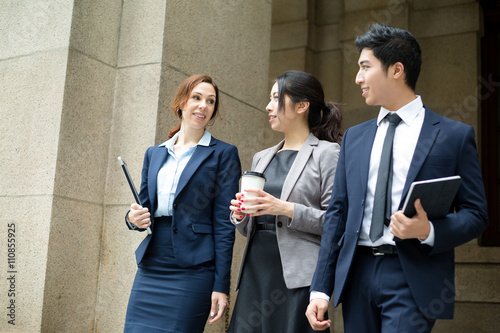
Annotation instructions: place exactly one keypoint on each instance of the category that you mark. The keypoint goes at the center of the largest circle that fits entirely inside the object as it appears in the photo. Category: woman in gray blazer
(284, 235)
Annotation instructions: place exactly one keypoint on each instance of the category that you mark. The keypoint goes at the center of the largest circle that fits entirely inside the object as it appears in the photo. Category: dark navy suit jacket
(445, 147)
(201, 227)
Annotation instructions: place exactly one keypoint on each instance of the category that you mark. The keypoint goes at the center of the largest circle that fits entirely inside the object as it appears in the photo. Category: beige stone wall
(33, 61)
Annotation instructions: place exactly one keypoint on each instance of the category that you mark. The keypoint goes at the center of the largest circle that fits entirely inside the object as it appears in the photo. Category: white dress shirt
(405, 140)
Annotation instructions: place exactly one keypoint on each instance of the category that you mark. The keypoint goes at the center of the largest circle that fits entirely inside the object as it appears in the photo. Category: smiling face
(376, 85)
(280, 119)
(199, 108)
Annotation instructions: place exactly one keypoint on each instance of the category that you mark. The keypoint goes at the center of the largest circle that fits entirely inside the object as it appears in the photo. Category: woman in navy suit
(187, 183)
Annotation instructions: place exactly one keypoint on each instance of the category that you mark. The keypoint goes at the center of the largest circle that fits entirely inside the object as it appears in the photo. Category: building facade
(83, 82)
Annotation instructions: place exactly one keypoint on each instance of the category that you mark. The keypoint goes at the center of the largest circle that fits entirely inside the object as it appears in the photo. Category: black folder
(436, 196)
(131, 185)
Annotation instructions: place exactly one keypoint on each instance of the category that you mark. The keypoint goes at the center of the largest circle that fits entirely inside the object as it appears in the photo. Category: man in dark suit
(399, 278)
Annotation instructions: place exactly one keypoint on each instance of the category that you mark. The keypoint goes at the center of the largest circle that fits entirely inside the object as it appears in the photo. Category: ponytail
(329, 126)
(177, 128)
(174, 130)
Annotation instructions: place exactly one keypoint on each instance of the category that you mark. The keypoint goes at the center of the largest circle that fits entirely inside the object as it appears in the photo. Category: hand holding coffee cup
(236, 207)
(251, 180)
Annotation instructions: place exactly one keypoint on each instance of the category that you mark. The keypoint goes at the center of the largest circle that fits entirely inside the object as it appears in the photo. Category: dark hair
(182, 96)
(324, 119)
(391, 45)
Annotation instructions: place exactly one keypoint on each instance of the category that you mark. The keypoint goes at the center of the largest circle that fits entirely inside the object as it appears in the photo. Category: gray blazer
(309, 186)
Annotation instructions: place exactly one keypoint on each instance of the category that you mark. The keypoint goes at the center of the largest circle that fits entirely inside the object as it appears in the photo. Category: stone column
(83, 83)
(226, 39)
(33, 60)
(74, 245)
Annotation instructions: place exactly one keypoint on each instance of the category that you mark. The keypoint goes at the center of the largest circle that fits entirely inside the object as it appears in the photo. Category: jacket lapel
(158, 158)
(426, 140)
(298, 165)
(200, 154)
(363, 149)
(264, 161)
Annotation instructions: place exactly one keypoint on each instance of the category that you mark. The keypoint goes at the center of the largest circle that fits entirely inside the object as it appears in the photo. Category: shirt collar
(407, 113)
(204, 141)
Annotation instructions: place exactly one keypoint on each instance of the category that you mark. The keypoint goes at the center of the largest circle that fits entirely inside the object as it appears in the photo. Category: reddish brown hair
(182, 96)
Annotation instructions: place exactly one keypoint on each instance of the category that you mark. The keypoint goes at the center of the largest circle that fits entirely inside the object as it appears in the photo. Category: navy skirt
(164, 296)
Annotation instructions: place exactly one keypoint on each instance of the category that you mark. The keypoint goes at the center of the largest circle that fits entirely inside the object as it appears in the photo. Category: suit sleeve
(333, 229)
(311, 219)
(143, 192)
(227, 179)
(471, 218)
(242, 225)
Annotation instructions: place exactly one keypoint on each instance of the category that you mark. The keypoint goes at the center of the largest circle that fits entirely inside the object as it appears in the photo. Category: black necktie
(383, 190)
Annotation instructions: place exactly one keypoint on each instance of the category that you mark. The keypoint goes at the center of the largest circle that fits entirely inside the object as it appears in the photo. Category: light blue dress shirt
(171, 171)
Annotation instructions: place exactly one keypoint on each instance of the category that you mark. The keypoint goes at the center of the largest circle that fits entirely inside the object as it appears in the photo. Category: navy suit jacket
(445, 147)
(201, 227)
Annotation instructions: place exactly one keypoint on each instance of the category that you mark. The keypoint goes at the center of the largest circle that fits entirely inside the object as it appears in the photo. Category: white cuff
(318, 294)
(430, 239)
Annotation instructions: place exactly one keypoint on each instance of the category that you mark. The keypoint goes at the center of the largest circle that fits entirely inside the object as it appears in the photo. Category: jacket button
(280, 224)
(175, 206)
(174, 229)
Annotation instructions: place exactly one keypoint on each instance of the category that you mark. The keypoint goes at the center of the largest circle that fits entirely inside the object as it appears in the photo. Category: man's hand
(416, 227)
(315, 313)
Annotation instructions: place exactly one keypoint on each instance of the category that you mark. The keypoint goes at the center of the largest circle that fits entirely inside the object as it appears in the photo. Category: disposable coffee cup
(251, 180)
